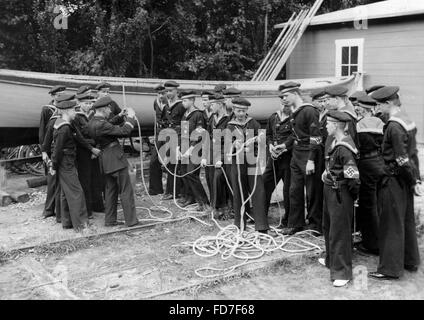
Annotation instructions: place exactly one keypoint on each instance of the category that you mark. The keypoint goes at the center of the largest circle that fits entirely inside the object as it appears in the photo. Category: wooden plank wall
(393, 55)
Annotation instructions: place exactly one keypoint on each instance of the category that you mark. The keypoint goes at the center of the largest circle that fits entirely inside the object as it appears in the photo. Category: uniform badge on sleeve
(402, 160)
(315, 140)
(351, 172)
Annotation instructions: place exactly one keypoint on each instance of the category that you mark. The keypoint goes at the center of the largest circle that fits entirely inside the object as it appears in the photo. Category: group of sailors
(85, 164)
(346, 153)
(343, 151)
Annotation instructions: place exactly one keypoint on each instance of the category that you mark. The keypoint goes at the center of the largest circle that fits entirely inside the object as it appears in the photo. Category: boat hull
(24, 93)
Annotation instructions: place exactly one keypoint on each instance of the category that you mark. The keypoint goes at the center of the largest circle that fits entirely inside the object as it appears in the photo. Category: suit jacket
(106, 137)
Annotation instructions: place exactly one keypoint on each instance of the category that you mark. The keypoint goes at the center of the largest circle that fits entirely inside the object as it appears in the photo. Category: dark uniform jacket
(106, 135)
(306, 131)
(64, 142)
(341, 163)
(46, 113)
(195, 121)
(48, 138)
(175, 114)
(400, 148)
(221, 125)
(81, 124)
(323, 127)
(370, 136)
(278, 130)
(161, 115)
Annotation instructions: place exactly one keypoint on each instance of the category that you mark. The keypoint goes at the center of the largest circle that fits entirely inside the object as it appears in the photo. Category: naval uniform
(52, 204)
(307, 146)
(114, 166)
(175, 114)
(220, 194)
(155, 178)
(84, 161)
(97, 178)
(192, 121)
(73, 206)
(209, 171)
(371, 164)
(341, 182)
(397, 232)
(279, 130)
(258, 212)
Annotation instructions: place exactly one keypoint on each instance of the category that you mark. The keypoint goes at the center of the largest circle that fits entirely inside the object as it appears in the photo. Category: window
(349, 56)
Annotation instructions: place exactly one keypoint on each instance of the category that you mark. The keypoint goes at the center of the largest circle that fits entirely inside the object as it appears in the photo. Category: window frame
(339, 44)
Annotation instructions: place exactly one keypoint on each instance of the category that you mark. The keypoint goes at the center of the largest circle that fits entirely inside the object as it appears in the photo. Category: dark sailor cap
(366, 102)
(385, 93)
(318, 94)
(288, 86)
(241, 103)
(64, 105)
(337, 91)
(65, 97)
(218, 97)
(103, 85)
(87, 96)
(232, 92)
(171, 84)
(102, 102)
(57, 89)
(205, 94)
(338, 116)
(160, 88)
(373, 88)
(83, 89)
(188, 94)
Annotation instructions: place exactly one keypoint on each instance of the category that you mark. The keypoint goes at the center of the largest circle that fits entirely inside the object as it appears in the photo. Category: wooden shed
(384, 40)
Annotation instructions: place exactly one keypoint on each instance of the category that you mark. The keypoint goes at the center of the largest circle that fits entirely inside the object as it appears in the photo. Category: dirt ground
(147, 263)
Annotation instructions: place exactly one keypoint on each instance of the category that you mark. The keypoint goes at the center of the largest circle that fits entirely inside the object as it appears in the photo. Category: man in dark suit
(113, 162)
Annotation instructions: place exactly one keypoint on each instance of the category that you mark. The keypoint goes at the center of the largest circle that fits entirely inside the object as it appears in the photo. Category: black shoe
(135, 225)
(263, 231)
(167, 197)
(360, 247)
(67, 227)
(380, 276)
(411, 268)
(48, 215)
(154, 193)
(291, 231)
(114, 224)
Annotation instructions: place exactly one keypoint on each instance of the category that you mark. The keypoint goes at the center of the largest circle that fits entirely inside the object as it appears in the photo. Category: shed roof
(378, 10)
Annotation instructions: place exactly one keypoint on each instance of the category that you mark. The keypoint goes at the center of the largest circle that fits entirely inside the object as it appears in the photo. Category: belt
(111, 145)
(335, 184)
(370, 155)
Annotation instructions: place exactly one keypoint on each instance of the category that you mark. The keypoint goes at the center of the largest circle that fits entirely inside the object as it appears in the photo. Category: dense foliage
(191, 39)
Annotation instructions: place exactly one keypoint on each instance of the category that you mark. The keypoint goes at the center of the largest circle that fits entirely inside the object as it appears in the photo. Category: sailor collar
(401, 118)
(281, 117)
(50, 106)
(322, 115)
(370, 125)
(60, 123)
(188, 115)
(216, 121)
(240, 124)
(302, 107)
(171, 105)
(82, 114)
(345, 142)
